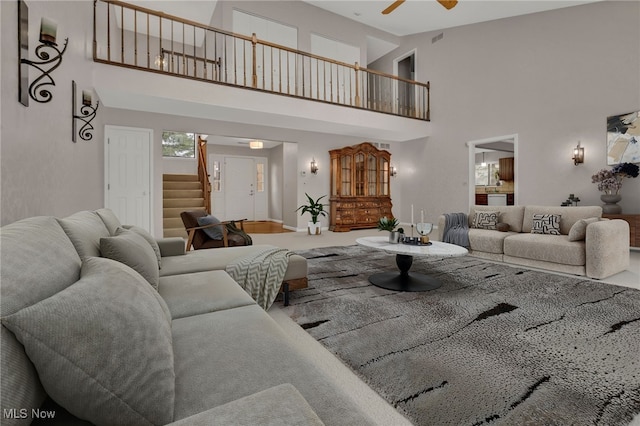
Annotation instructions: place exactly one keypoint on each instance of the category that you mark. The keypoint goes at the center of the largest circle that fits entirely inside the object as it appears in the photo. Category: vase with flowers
(610, 182)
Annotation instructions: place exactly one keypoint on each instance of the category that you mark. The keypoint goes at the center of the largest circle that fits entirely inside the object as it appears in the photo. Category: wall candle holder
(87, 114)
(50, 58)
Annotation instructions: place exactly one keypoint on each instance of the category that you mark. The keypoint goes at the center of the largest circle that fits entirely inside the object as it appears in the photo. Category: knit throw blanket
(261, 274)
(456, 229)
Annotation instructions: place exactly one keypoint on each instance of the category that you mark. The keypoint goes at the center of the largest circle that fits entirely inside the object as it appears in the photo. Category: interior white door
(240, 188)
(128, 174)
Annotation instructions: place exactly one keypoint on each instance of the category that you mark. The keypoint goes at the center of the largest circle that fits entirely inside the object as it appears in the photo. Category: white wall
(552, 78)
(42, 171)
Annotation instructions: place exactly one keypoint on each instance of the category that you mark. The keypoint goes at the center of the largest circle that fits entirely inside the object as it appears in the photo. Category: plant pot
(394, 237)
(314, 228)
(610, 206)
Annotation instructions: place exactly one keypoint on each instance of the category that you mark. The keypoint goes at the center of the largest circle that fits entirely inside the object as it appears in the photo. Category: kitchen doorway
(488, 185)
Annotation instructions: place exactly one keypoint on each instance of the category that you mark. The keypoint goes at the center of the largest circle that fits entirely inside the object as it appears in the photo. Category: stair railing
(135, 37)
(203, 174)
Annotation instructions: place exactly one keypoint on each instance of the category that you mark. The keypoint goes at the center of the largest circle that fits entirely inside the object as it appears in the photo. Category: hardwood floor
(264, 227)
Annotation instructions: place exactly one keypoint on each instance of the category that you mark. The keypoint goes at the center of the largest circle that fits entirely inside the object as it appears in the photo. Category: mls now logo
(23, 413)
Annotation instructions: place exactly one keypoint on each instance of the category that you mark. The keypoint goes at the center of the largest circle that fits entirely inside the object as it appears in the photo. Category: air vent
(437, 38)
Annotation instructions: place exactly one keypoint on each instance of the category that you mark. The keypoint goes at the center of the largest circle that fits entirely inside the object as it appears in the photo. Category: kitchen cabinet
(506, 168)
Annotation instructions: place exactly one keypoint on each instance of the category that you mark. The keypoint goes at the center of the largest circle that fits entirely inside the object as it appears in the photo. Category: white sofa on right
(597, 248)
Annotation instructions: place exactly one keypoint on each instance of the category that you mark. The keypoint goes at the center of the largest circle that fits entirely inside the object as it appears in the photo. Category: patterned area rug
(494, 345)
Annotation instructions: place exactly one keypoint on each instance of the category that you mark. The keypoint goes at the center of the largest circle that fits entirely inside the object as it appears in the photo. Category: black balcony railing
(135, 37)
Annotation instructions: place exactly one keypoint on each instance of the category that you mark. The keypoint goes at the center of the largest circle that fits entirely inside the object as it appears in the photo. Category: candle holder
(424, 229)
(50, 58)
(87, 114)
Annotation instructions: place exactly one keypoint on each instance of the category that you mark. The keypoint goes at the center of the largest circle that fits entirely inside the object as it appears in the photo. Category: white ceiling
(413, 16)
(416, 16)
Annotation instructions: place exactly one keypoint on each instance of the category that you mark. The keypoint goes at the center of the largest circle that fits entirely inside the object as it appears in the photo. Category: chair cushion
(134, 251)
(95, 342)
(214, 232)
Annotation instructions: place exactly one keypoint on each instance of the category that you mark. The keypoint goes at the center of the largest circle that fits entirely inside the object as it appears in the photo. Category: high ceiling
(416, 16)
(413, 16)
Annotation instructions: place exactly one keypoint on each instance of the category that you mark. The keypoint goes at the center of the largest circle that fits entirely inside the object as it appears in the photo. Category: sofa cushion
(219, 258)
(246, 352)
(485, 219)
(548, 248)
(487, 240)
(149, 238)
(213, 232)
(578, 231)
(133, 250)
(85, 229)
(280, 405)
(201, 293)
(110, 220)
(546, 224)
(508, 214)
(568, 215)
(23, 243)
(102, 347)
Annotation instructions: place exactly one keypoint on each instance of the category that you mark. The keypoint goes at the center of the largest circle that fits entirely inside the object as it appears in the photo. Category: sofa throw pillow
(214, 232)
(102, 347)
(546, 224)
(503, 227)
(149, 238)
(578, 231)
(131, 249)
(485, 219)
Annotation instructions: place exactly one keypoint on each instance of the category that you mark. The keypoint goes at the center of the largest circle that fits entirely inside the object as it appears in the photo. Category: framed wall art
(623, 138)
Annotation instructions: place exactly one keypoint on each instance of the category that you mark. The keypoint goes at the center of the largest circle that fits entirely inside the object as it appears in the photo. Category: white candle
(422, 216)
(412, 214)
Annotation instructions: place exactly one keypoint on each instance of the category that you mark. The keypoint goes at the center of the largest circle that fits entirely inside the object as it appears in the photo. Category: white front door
(240, 188)
(128, 174)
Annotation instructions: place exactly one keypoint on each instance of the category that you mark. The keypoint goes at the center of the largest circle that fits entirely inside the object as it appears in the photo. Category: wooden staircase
(180, 193)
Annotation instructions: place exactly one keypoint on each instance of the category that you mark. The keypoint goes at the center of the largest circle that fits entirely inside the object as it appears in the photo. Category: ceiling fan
(448, 4)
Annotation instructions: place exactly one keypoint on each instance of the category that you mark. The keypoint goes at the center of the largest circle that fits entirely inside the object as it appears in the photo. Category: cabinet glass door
(384, 176)
(372, 175)
(359, 164)
(345, 175)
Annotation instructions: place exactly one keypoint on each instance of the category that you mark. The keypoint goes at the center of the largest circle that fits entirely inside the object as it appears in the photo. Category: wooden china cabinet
(360, 192)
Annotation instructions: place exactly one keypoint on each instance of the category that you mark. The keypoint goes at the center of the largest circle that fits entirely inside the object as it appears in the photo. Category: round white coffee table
(405, 280)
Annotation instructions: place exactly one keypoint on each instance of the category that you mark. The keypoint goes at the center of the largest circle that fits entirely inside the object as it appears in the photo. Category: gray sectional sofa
(98, 342)
(587, 245)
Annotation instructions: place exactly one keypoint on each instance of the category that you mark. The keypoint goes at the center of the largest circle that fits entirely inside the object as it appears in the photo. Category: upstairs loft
(246, 80)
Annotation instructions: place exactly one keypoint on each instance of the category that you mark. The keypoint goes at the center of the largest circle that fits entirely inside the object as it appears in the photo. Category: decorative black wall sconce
(87, 114)
(314, 166)
(48, 53)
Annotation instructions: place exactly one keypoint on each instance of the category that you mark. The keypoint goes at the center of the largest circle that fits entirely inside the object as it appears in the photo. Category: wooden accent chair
(200, 240)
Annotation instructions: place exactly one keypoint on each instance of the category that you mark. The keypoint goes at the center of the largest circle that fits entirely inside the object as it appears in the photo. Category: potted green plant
(389, 224)
(315, 208)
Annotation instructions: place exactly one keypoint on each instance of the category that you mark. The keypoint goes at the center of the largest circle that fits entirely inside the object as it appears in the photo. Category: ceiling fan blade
(392, 7)
(448, 4)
